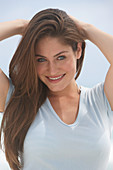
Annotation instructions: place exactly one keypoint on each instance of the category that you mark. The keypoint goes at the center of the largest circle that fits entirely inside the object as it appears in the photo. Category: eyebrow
(38, 55)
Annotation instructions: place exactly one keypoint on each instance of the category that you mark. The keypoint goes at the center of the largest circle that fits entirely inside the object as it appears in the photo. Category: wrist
(87, 29)
(20, 26)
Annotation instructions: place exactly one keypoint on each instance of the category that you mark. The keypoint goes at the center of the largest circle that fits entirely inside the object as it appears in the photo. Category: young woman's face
(56, 63)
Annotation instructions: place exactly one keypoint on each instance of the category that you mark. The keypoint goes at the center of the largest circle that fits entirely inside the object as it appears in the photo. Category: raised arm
(4, 86)
(8, 29)
(104, 42)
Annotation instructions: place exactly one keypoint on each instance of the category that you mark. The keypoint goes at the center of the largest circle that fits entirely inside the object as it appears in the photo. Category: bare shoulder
(4, 86)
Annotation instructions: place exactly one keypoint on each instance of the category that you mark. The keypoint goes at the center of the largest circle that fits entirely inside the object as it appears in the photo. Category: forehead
(50, 46)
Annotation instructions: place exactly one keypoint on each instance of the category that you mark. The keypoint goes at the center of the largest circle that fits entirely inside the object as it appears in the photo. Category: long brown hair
(29, 92)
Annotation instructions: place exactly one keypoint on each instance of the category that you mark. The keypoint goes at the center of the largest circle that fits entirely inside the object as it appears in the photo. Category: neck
(71, 90)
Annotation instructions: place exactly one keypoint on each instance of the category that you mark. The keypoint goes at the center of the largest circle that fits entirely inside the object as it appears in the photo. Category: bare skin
(60, 60)
(4, 86)
(11, 28)
(8, 29)
(102, 40)
(66, 107)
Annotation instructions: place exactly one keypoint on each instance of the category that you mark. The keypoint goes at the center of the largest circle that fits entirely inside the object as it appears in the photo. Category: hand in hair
(82, 27)
(23, 25)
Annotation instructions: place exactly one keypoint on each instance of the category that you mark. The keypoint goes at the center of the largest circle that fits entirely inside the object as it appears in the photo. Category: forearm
(11, 28)
(101, 39)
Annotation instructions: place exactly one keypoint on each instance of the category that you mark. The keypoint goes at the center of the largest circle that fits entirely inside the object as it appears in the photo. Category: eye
(61, 57)
(40, 60)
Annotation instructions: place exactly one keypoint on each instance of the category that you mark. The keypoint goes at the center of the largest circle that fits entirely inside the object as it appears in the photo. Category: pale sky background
(96, 12)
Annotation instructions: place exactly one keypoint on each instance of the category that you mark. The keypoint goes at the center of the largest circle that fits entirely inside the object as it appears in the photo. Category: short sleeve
(10, 91)
(103, 102)
(109, 110)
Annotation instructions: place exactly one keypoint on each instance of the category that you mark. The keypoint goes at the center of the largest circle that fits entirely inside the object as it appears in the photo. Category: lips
(55, 78)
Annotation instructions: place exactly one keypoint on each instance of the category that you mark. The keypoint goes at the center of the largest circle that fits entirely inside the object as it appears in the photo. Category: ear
(79, 50)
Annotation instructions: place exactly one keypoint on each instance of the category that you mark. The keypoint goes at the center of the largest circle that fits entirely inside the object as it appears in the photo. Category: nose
(52, 69)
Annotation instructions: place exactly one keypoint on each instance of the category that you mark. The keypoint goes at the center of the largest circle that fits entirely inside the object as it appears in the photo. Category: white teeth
(55, 78)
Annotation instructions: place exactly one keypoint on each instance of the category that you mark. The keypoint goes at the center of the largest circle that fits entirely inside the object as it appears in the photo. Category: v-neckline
(78, 115)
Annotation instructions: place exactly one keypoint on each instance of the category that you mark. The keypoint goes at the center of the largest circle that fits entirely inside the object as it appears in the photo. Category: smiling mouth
(56, 78)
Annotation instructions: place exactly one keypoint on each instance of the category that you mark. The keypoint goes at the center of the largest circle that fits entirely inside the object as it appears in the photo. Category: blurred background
(98, 13)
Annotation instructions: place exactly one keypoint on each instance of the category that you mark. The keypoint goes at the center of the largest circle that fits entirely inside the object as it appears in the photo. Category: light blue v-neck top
(51, 144)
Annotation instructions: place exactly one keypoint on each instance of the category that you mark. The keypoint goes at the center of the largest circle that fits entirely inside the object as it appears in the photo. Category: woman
(49, 122)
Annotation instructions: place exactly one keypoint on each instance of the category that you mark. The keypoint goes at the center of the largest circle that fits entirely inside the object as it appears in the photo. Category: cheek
(70, 66)
(40, 70)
